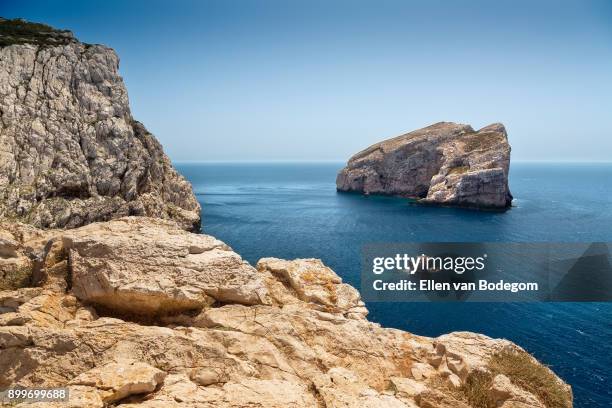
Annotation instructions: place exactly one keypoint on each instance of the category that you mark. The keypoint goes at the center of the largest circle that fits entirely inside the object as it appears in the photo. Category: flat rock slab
(116, 381)
(152, 267)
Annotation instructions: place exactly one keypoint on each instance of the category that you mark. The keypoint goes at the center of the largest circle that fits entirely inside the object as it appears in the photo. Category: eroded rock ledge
(445, 163)
(70, 151)
(139, 313)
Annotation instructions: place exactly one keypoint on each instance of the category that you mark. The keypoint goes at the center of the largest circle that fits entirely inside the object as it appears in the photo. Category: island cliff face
(445, 163)
(70, 151)
(137, 312)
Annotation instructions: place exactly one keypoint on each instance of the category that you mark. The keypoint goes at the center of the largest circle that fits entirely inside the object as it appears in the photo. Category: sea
(292, 210)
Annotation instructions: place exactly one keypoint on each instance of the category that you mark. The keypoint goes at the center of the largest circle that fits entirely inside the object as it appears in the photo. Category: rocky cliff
(70, 151)
(136, 312)
(445, 163)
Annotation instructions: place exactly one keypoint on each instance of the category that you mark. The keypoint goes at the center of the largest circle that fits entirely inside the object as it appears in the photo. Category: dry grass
(459, 170)
(476, 390)
(16, 278)
(481, 141)
(524, 371)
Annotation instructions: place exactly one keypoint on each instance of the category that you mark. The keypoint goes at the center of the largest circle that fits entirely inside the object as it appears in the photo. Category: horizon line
(315, 161)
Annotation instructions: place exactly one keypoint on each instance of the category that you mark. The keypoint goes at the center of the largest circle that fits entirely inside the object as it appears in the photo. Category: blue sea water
(293, 210)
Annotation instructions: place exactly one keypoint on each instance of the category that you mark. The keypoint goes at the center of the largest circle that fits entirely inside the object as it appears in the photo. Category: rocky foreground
(137, 312)
(70, 151)
(445, 163)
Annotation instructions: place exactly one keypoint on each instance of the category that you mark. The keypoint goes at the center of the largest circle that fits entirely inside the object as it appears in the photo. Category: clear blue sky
(320, 80)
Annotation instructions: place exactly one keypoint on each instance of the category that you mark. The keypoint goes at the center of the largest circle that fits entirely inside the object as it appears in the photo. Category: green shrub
(19, 31)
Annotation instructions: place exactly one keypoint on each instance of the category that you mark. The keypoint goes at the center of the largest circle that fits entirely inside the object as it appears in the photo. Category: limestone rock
(21, 249)
(15, 266)
(445, 163)
(151, 267)
(343, 388)
(407, 387)
(116, 381)
(70, 151)
(462, 352)
(421, 371)
(508, 395)
(301, 346)
(314, 283)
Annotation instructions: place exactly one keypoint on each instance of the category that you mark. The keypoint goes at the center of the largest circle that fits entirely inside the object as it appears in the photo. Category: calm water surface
(293, 210)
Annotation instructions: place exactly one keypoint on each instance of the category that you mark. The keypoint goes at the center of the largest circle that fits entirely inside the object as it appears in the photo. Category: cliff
(136, 312)
(70, 151)
(445, 163)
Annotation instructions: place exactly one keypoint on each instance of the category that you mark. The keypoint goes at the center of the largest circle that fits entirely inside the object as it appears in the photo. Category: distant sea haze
(292, 210)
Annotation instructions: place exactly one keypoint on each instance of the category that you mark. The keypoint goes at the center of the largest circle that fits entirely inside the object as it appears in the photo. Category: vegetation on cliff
(19, 31)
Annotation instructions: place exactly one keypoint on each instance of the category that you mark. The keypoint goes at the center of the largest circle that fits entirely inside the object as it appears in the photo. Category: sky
(320, 80)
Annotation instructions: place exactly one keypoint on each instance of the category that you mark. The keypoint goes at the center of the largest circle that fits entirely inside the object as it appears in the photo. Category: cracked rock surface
(303, 341)
(445, 163)
(70, 151)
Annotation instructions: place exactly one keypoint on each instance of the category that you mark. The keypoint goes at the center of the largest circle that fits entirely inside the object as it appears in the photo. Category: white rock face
(445, 163)
(70, 151)
(115, 381)
(152, 267)
(305, 344)
(508, 395)
(312, 282)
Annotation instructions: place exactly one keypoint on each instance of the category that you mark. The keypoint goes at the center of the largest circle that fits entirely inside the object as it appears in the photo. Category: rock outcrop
(183, 271)
(70, 151)
(283, 334)
(445, 163)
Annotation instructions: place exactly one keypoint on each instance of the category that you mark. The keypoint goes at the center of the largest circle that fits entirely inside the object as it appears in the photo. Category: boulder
(152, 267)
(312, 282)
(407, 387)
(507, 395)
(116, 381)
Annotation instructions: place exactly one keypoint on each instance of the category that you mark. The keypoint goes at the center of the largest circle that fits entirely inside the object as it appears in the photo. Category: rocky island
(135, 311)
(445, 163)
